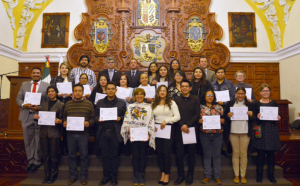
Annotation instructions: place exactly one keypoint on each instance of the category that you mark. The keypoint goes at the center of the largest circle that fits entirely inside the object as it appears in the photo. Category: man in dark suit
(210, 75)
(31, 129)
(112, 74)
(133, 74)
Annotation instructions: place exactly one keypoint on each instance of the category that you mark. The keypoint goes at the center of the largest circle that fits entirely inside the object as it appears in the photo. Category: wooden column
(283, 124)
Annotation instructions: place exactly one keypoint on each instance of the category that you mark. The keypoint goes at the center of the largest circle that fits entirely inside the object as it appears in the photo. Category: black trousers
(164, 152)
(49, 148)
(261, 160)
(109, 146)
(139, 152)
(181, 150)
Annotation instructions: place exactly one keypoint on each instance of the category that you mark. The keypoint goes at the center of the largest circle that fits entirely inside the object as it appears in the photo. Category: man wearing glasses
(111, 73)
(240, 76)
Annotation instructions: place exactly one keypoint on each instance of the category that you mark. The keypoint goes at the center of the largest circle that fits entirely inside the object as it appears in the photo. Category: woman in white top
(165, 113)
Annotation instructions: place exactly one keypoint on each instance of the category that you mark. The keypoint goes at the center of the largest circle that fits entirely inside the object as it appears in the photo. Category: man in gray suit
(30, 126)
(210, 75)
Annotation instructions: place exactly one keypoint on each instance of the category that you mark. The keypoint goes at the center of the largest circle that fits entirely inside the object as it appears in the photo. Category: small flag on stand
(46, 74)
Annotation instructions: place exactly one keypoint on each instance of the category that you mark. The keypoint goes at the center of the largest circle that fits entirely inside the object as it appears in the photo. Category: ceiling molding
(241, 57)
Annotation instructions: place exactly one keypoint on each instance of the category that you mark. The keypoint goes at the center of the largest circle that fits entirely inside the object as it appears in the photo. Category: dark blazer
(135, 81)
(59, 79)
(52, 131)
(251, 120)
(115, 76)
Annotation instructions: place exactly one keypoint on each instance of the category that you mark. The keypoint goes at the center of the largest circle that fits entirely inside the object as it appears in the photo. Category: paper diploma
(47, 118)
(239, 113)
(64, 88)
(75, 123)
(99, 96)
(163, 133)
(122, 93)
(211, 122)
(269, 113)
(161, 83)
(150, 91)
(189, 138)
(139, 134)
(86, 89)
(33, 98)
(107, 114)
(222, 95)
(248, 92)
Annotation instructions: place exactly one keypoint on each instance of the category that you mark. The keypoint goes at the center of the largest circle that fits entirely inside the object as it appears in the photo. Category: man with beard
(76, 72)
(30, 126)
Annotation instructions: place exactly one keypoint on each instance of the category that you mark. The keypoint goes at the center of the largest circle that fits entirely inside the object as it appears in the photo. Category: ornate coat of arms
(148, 47)
(101, 35)
(148, 13)
(195, 34)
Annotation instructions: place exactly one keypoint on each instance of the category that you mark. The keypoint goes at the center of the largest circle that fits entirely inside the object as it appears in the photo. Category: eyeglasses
(265, 90)
(209, 95)
(83, 78)
(178, 75)
(185, 86)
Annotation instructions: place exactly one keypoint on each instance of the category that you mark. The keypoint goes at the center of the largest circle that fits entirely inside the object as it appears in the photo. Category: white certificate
(150, 91)
(99, 96)
(64, 88)
(211, 122)
(222, 95)
(47, 118)
(161, 83)
(75, 123)
(239, 113)
(189, 138)
(87, 90)
(139, 134)
(269, 113)
(107, 114)
(163, 133)
(33, 98)
(122, 93)
(248, 93)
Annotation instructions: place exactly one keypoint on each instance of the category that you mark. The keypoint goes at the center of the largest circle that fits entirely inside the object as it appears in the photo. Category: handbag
(257, 131)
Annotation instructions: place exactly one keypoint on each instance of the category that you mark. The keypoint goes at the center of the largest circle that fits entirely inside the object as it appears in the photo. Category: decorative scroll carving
(194, 8)
(11, 5)
(102, 8)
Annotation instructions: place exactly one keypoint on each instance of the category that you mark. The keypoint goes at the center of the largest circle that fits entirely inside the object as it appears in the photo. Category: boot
(136, 178)
(271, 168)
(46, 170)
(54, 172)
(142, 178)
(260, 166)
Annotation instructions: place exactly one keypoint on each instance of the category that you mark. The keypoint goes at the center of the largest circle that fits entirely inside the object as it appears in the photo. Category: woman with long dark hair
(165, 112)
(162, 76)
(240, 133)
(100, 88)
(199, 84)
(152, 71)
(174, 67)
(175, 89)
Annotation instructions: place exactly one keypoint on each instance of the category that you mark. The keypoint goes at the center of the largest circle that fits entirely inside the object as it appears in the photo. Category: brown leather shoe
(243, 180)
(205, 180)
(236, 179)
(218, 180)
(71, 180)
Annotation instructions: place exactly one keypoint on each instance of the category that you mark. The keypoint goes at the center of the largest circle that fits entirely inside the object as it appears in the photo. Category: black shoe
(35, 167)
(71, 180)
(189, 180)
(272, 180)
(83, 181)
(114, 182)
(142, 178)
(45, 180)
(136, 178)
(104, 181)
(179, 180)
(165, 183)
(28, 168)
(160, 182)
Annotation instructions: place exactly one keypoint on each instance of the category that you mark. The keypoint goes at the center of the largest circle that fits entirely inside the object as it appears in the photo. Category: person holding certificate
(240, 76)
(30, 127)
(100, 88)
(175, 90)
(200, 84)
(152, 71)
(64, 77)
(108, 133)
(165, 112)
(123, 82)
(139, 117)
(50, 135)
(162, 76)
(144, 78)
(174, 67)
(78, 117)
(189, 109)
(240, 115)
(211, 139)
(270, 140)
(83, 79)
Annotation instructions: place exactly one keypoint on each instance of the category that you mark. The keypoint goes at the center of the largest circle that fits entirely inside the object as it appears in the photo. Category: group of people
(178, 104)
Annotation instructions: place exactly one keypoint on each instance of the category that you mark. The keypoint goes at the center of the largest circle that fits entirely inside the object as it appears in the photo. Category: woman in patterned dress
(175, 90)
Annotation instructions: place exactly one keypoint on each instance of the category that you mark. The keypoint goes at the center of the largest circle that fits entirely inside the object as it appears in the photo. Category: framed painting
(242, 29)
(55, 30)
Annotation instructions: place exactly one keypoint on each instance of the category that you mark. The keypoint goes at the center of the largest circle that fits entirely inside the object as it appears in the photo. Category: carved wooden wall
(4, 105)
(174, 16)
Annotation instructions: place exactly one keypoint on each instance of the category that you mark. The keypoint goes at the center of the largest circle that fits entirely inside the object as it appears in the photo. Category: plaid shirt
(76, 72)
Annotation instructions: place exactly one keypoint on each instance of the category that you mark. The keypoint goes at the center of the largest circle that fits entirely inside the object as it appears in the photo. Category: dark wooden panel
(53, 68)
(4, 112)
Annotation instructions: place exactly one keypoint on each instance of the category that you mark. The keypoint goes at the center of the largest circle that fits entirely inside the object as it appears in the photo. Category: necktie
(34, 87)
(132, 76)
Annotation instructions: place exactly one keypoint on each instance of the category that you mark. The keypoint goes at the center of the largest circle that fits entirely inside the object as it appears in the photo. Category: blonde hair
(69, 69)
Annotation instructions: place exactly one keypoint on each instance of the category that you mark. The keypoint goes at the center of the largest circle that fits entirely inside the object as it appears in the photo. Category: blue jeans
(212, 144)
(78, 141)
